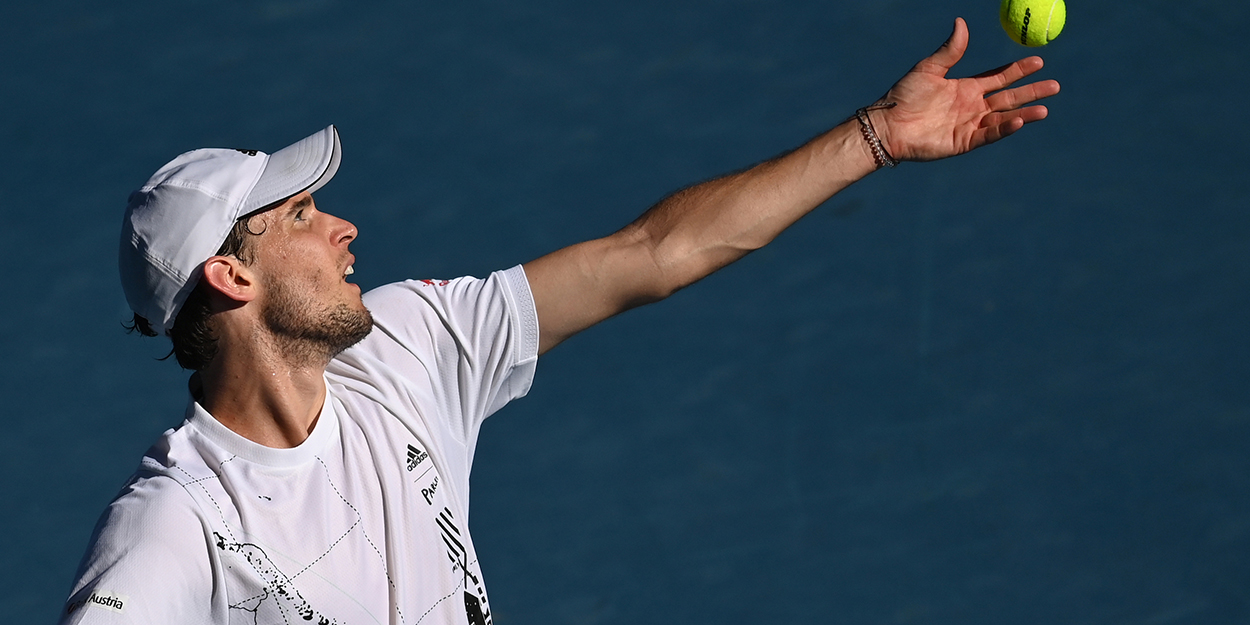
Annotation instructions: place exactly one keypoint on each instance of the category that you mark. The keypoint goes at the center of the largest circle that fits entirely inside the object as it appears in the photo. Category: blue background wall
(1009, 387)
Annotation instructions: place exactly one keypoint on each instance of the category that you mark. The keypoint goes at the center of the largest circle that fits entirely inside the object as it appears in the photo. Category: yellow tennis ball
(1032, 22)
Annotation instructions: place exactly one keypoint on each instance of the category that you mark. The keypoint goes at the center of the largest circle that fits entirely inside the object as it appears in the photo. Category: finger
(1000, 77)
(994, 132)
(995, 126)
(1022, 95)
(949, 54)
(1030, 114)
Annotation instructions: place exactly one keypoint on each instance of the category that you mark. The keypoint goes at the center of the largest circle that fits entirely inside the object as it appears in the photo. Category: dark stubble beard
(310, 332)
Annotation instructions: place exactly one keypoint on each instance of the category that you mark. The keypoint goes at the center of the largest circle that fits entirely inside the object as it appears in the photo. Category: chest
(370, 530)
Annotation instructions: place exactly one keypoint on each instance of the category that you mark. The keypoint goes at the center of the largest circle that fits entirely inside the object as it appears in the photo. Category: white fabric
(364, 522)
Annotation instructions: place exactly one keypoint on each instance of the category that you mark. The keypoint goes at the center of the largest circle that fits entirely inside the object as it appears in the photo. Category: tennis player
(321, 474)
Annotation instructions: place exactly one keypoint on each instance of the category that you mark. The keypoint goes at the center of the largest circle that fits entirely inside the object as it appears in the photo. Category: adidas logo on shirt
(415, 457)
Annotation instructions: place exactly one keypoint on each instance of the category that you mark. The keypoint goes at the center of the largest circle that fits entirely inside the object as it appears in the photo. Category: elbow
(674, 263)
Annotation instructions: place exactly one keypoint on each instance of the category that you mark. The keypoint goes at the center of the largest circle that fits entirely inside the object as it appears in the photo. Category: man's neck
(263, 398)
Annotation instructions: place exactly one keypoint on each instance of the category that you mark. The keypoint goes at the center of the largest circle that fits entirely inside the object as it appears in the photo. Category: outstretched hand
(936, 117)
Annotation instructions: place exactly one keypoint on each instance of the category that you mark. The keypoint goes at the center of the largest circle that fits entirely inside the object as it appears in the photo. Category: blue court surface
(1012, 387)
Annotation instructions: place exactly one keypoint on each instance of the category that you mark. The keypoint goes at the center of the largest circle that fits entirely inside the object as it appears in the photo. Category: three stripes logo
(415, 457)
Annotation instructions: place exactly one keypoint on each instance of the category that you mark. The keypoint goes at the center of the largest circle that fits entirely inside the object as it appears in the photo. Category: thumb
(949, 54)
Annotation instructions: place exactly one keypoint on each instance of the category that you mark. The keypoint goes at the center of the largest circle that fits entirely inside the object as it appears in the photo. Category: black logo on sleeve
(98, 598)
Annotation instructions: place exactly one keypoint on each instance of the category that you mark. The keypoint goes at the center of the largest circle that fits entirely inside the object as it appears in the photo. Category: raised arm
(700, 229)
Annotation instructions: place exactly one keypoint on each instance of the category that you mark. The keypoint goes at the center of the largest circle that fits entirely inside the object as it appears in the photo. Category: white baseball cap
(180, 218)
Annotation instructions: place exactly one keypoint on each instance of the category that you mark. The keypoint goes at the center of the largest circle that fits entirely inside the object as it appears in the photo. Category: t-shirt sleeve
(473, 341)
(148, 561)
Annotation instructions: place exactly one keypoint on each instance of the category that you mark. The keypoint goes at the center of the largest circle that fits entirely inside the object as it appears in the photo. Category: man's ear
(230, 278)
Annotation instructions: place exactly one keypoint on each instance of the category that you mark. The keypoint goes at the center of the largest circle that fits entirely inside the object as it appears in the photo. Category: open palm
(936, 117)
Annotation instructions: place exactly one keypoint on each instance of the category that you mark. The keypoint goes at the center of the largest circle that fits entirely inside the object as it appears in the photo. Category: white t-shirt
(366, 521)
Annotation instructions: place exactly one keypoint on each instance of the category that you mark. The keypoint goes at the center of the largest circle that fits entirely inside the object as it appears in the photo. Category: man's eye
(299, 216)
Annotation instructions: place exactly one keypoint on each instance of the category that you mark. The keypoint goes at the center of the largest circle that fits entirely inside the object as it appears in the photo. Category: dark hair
(195, 345)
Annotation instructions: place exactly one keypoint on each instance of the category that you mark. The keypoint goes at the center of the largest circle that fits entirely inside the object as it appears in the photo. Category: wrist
(871, 119)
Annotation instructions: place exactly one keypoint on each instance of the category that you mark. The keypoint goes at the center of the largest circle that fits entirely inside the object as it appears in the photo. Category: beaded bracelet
(879, 154)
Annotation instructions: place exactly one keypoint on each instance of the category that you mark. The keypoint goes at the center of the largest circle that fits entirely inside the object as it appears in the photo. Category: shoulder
(460, 347)
(149, 554)
(154, 513)
(151, 516)
(445, 319)
(447, 295)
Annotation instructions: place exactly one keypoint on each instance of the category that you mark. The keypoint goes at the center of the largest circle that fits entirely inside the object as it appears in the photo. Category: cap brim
(306, 165)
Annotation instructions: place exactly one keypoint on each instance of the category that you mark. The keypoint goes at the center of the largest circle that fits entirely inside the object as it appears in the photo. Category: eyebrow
(300, 205)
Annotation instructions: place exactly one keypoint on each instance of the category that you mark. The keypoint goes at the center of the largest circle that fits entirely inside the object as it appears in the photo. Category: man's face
(302, 263)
